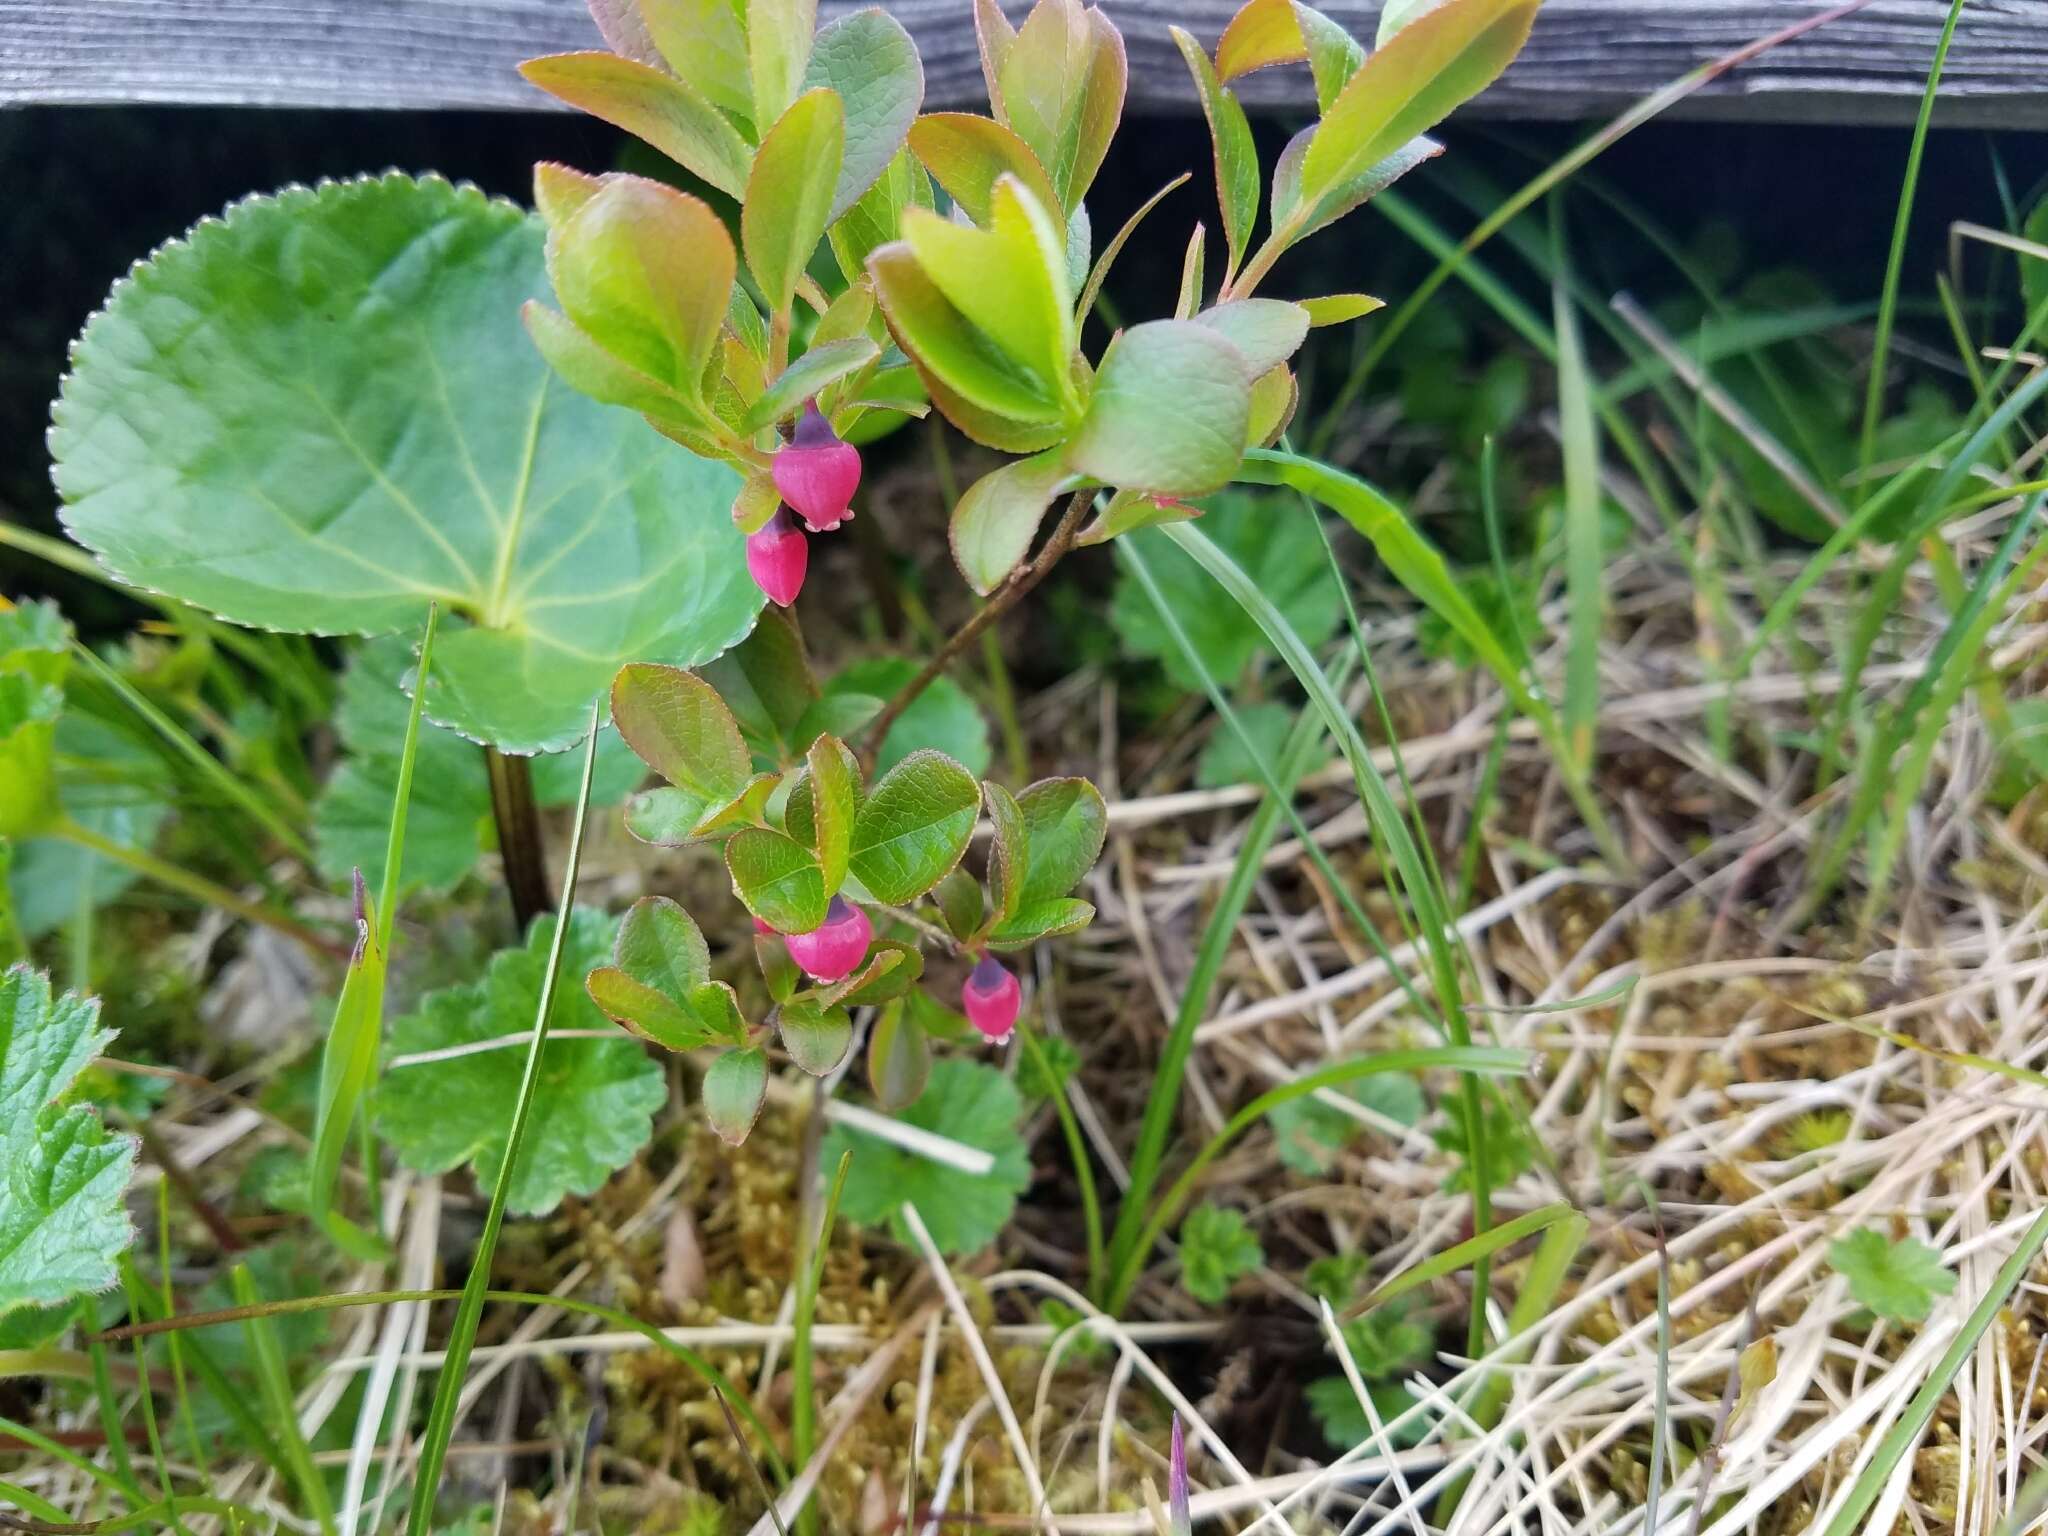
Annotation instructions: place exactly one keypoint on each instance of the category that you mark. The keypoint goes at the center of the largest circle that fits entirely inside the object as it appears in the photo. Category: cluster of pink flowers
(816, 472)
(834, 950)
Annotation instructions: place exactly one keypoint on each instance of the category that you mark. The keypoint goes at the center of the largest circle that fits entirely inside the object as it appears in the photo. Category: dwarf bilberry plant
(960, 277)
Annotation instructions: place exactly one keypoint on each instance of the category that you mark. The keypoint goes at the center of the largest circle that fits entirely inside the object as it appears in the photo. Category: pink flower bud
(817, 473)
(777, 557)
(763, 927)
(832, 950)
(990, 997)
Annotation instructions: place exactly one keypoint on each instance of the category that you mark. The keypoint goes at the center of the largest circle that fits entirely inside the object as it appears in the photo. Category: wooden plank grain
(1586, 58)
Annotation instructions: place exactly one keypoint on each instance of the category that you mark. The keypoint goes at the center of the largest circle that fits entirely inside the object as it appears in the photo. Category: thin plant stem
(1077, 1152)
(803, 1394)
(419, 1517)
(517, 815)
(1895, 262)
(1000, 602)
(198, 887)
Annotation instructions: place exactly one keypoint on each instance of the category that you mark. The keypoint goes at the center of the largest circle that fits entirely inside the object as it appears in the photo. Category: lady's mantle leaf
(321, 412)
(1896, 1280)
(969, 1103)
(592, 1110)
(62, 1174)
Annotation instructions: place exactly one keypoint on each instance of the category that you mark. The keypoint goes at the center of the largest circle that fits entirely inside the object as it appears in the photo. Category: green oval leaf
(350, 423)
(966, 155)
(899, 1058)
(871, 62)
(913, 827)
(1266, 331)
(703, 41)
(676, 723)
(650, 105)
(789, 195)
(994, 522)
(777, 878)
(817, 1038)
(1065, 823)
(1042, 920)
(1168, 413)
(734, 1086)
(953, 354)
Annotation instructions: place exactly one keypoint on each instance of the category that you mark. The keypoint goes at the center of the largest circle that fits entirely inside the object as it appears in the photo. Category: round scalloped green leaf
(320, 412)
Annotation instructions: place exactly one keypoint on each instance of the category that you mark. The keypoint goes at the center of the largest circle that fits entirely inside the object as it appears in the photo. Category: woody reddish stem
(1000, 602)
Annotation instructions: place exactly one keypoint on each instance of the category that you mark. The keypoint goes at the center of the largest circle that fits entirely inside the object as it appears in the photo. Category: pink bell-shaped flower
(832, 950)
(777, 557)
(817, 473)
(990, 997)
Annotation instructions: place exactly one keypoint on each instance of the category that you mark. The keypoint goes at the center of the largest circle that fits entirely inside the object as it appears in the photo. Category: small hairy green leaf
(778, 879)
(734, 1087)
(1216, 1249)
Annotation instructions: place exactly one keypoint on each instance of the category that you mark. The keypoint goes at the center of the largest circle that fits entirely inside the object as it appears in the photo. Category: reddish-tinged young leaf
(966, 154)
(1063, 80)
(704, 42)
(957, 360)
(677, 725)
(646, 271)
(1374, 180)
(1009, 280)
(1425, 72)
(1334, 55)
(1263, 33)
(779, 35)
(993, 36)
(623, 26)
(559, 190)
(650, 105)
(1237, 159)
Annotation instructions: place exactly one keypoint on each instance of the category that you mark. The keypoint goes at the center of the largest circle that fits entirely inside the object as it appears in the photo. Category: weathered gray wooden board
(1586, 57)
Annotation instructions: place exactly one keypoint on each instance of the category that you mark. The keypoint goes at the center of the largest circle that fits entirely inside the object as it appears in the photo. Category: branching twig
(999, 603)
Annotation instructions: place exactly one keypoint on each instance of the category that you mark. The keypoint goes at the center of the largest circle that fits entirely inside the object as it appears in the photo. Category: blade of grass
(803, 1399)
(1895, 262)
(274, 1382)
(1416, 876)
(292, 1306)
(1940, 496)
(348, 1063)
(1077, 1148)
(110, 1421)
(419, 1517)
(210, 770)
(1420, 567)
(131, 1282)
(1540, 1285)
(1913, 1422)
(1459, 1255)
(1583, 153)
(1585, 584)
(1161, 1104)
(1952, 668)
(1946, 674)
